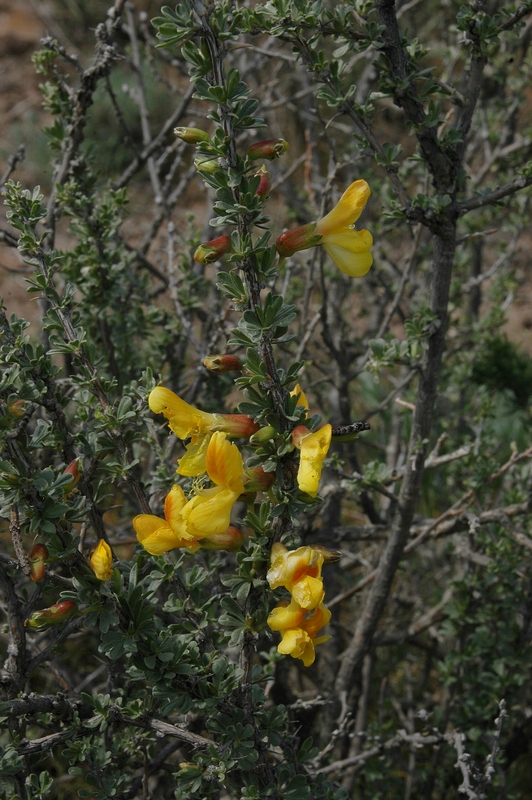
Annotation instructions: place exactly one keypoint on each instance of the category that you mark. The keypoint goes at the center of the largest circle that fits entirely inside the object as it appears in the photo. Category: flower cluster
(300, 619)
(201, 522)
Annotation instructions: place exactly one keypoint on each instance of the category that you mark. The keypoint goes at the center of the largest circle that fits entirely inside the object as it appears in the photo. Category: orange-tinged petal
(101, 561)
(193, 463)
(347, 210)
(224, 463)
(314, 622)
(289, 566)
(183, 419)
(174, 503)
(314, 448)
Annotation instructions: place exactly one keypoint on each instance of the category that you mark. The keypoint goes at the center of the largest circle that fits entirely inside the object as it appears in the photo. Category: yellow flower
(157, 535)
(188, 422)
(348, 248)
(209, 512)
(299, 571)
(298, 629)
(314, 447)
(101, 561)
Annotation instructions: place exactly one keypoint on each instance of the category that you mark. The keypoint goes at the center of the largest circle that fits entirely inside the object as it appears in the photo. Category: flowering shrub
(212, 592)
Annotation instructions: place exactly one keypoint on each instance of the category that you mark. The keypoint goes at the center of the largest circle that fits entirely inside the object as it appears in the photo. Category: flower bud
(235, 425)
(211, 251)
(37, 558)
(210, 166)
(16, 408)
(223, 363)
(55, 615)
(258, 480)
(296, 239)
(298, 434)
(329, 556)
(101, 561)
(268, 148)
(231, 539)
(191, 135)
(265, 184)
(263, 435)
(74, 470)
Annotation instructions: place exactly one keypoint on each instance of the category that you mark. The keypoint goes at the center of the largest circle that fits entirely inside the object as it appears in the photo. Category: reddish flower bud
(223, 363)
(37, 556)
(16, 408)
(211, 251)
(297, 239)
(235, 425)
(230, 539)
(268, 148)
(55, 615)
(258, 480)
(265, 184)
(73, 469)
(191, 135)
(329, 556)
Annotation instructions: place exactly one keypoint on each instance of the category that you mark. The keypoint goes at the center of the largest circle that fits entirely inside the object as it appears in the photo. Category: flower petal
(193, 462)
(314, 448)
(285, 616)
(347, 210)
(101, 561)
(183, 419)
(308, 592)
(224, 463)
(298, 644)
(210, 511)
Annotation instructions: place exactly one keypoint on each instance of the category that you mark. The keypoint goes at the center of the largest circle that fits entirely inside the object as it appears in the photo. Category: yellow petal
(224, 463)
(314, 448)
(184, 420)
(302, 400)
(193, 463)
(347, 210)
(298, 644)
(285, 616)
(349, 249)
(210, 511)
(156, 536)
(308, 592)
(101, 561)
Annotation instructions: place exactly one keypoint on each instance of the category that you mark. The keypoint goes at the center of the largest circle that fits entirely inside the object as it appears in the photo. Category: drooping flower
(313, 448)
(348, 248)
(210, 510)
(101, 561)
(188, 422)
(299, 628)
(157, 535)
(299, 571)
